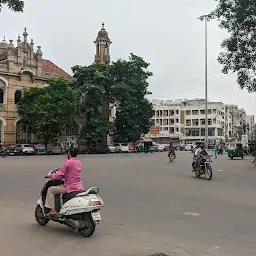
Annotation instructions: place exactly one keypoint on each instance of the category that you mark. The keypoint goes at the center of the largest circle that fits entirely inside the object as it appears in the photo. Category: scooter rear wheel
(40, 218)
(89, 228)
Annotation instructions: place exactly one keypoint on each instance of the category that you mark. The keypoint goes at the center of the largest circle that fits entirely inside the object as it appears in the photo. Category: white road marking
(194, 214)
(219, 170)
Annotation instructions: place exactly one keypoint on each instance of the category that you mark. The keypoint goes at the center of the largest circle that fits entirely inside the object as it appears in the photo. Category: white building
(166, 121)
(193, 121)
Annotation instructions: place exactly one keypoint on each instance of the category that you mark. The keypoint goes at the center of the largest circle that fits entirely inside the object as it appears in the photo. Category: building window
(171, 113)
(195, 112)
(202, 112)
(210, 111)
(17, 96)
(171, 121)
(165, 112)
(214, 111)
(195, 122)
(1, 95)
(165, 121)
(177, 112)
(188, 112)
(176, 121)
(177, 129)
(171, 130)
(214, 121)
(188, 122)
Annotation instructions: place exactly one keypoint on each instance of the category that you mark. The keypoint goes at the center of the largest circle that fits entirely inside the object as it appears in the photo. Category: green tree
(14, 5)
(94, 83)
(123, 84)
(47, 112)
(134, 110)
(239, 56)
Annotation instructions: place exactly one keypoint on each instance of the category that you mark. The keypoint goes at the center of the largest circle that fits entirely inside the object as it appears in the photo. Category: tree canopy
(122, 84)
(14, 5)
(47, 112)
(134, 110)
(239, 50)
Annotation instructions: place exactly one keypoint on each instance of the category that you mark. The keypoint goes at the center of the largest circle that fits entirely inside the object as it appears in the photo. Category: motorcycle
(3, 153)
(78, 210)
(205, 166)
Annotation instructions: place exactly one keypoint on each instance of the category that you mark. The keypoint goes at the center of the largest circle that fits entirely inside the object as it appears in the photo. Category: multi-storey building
(166, 121)
(238, 121)
(184, 121)
(193, 116)
(250, 127)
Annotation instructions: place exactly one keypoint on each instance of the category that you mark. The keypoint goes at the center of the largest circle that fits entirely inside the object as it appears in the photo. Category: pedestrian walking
(61, 147)
(215, 150)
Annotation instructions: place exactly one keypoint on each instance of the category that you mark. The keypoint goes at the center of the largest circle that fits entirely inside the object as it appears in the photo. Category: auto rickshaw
(145, 146)
(236, 150)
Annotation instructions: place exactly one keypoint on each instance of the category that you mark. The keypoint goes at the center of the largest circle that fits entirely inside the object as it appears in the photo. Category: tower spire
(102, 47)
(25, 35)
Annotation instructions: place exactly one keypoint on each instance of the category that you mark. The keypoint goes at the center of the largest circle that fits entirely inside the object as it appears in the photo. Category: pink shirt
(71, 170)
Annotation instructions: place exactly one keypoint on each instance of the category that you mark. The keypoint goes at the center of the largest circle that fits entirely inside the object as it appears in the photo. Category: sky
(166, 33)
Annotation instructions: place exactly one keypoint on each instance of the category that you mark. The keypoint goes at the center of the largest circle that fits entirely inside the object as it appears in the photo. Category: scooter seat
(67, 196)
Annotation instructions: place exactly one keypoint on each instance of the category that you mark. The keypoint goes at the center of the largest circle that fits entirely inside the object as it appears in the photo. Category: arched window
(2, 89)
(17, 96)
(1, 95)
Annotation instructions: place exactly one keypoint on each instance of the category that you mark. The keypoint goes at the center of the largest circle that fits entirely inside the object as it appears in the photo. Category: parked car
(12, 150)
(155, 146)
(121, 148)
(112, 148)
(25, 149)
(55, 149)
(188, 147)
(160, 148)
(99, 150)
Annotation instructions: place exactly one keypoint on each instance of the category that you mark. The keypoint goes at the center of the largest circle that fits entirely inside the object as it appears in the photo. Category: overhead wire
(184, 83)
(192, 88)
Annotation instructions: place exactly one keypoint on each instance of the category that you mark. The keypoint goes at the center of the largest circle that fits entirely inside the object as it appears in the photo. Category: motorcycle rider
(71, 171)
(195, 148)
(198, 153)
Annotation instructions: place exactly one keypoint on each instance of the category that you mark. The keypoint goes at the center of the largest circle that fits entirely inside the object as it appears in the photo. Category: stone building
(21, 67)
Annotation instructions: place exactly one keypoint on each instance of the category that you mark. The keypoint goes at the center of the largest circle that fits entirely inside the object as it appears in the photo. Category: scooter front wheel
(89, 228)
(40, 218)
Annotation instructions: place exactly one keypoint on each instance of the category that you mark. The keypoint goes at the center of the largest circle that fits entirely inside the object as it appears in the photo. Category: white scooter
(77, 210)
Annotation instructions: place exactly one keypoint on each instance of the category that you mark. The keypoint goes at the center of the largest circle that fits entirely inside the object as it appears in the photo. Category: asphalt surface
(151, 206)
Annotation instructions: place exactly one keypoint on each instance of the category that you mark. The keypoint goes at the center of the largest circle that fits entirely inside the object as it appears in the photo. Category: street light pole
(206, 18)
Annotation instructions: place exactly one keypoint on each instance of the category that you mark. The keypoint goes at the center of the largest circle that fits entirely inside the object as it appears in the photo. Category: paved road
(147, 201)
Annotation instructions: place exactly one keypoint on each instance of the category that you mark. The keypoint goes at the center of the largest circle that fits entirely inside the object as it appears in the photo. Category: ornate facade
(21, 67)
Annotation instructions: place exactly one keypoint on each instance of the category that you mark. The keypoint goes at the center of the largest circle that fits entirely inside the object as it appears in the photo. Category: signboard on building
(154, 131)
(164, 133)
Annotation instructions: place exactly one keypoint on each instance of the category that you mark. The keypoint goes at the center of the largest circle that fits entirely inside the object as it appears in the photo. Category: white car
(112, 148)
(121, 148)
(25, 149)
(160, 148)
(188, 147)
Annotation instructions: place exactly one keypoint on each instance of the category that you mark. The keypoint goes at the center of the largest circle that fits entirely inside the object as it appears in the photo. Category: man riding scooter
(71, 171)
